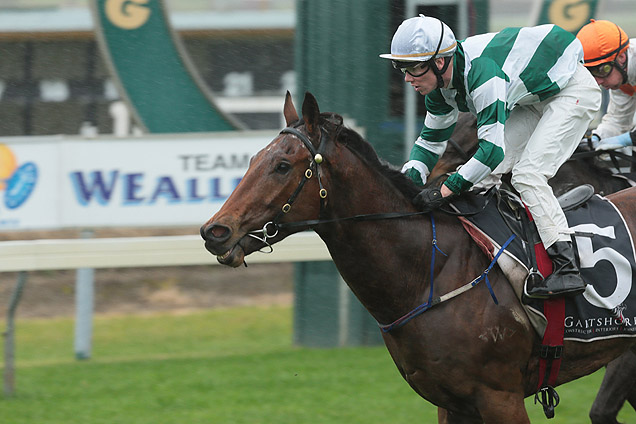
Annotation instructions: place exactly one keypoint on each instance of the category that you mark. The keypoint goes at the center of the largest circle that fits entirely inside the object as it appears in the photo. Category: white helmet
(420, 39)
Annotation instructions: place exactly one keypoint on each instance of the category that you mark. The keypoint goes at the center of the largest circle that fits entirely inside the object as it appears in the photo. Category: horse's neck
(385, 262)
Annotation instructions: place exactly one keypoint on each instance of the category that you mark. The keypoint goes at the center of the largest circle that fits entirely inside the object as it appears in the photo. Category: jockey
(533, 100)
(611, 60)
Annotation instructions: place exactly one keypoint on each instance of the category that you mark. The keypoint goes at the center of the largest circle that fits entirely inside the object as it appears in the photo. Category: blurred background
(53, 79)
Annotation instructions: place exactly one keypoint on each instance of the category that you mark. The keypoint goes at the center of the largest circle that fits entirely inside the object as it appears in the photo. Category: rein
(464, 154)
(264, 234)
(419, 310)
(271, 228)
(613, 154)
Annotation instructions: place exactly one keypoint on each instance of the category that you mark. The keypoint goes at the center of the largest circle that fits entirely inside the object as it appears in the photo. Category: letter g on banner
(127, 14)
(570, 15)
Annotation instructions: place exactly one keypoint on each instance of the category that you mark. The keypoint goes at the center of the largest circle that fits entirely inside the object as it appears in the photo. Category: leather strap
(552, 344)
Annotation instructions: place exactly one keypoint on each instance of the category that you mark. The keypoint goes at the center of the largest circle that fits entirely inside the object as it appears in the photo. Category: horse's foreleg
(447, 417)
(631, 397)
(442, 416)
(616, 387)
(498, 407)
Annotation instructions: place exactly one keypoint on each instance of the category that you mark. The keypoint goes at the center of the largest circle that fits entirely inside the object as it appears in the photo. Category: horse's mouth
(233, 257)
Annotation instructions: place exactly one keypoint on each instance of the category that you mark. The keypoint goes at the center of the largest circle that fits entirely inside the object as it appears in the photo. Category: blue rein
(435, 301)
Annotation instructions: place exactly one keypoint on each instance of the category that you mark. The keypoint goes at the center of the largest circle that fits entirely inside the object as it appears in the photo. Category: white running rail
(127, 252)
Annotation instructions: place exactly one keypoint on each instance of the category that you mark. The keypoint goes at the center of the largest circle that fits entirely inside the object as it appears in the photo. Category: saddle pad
(495, 214)
(605, 252)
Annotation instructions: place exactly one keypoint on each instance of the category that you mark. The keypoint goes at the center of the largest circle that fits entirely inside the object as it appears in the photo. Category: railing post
(84, 301)
(9, 337)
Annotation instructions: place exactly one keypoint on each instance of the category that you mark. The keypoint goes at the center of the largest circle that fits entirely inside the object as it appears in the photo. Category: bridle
(271, 228)
(314, 164)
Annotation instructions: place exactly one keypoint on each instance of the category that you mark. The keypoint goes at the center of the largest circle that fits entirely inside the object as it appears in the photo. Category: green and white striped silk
(492, 73)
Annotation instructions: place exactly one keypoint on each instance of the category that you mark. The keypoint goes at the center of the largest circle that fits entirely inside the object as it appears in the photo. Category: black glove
(429, 199)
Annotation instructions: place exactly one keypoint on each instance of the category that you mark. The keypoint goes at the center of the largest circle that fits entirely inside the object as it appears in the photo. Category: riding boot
(565, 278)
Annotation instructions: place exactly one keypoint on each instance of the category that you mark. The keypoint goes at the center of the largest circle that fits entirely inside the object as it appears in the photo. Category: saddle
(486, 211)
(482, 217)
(602, 244)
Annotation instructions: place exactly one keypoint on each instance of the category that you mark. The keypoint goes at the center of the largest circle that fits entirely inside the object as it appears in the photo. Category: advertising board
(162, 180)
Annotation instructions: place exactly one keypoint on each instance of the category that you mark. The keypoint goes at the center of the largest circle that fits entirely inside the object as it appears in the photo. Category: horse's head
(282, 182)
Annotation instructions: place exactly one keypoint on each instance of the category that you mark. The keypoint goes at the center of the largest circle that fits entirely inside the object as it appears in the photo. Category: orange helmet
(602, 42)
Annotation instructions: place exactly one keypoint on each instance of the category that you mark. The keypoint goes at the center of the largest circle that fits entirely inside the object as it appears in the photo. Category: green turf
(224, 366)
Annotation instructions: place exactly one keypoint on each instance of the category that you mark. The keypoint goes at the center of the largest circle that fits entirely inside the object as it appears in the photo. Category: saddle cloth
(604, 249)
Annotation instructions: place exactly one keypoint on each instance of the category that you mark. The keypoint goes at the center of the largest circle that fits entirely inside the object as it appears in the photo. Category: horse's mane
(365, 151)
(333, 123)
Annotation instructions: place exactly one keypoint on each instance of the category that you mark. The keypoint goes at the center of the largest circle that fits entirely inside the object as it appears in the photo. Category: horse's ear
(289, 110)
(311, 114)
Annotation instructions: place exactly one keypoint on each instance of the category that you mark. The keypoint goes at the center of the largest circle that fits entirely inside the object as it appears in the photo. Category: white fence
(51, 254)
(34, 255)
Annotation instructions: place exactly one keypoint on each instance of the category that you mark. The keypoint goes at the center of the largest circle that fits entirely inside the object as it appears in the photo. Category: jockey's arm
(617, 142)
(439, 124)
(487, 85)
(619, 117)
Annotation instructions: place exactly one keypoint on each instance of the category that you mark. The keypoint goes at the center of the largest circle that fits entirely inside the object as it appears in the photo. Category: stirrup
(534, 277)
(549, 400)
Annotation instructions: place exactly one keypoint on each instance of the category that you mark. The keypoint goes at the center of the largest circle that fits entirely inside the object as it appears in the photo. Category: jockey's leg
(519, 126)
(564, 119)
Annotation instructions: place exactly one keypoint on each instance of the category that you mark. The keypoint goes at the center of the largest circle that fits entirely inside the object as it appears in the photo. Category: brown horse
(619, 383)
(473, 358)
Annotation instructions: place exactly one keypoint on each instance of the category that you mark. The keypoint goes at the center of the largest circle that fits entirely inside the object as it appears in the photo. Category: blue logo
(20, 185)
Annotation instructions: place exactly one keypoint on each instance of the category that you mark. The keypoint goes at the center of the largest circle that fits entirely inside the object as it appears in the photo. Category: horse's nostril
(218, 231)
(215, 232)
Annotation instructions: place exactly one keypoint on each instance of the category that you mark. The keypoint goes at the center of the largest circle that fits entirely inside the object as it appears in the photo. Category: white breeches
(539, 138)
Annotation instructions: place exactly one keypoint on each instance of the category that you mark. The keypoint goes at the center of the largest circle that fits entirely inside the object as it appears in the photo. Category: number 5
(590, 257)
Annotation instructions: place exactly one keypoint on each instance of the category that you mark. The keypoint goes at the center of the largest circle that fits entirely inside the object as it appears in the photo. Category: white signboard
(162, 180)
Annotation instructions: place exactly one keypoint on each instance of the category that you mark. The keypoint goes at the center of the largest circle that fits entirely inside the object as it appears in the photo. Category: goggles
(414, 69)
(603, 70)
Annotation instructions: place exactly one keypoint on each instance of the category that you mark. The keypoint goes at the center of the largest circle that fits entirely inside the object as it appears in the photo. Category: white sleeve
(619, 117)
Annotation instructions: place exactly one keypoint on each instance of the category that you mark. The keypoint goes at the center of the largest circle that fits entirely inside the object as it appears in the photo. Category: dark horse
(473, 358)
(619, 383)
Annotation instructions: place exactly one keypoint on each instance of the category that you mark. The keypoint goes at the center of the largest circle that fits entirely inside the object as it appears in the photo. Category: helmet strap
(623, 69)
(439, 72)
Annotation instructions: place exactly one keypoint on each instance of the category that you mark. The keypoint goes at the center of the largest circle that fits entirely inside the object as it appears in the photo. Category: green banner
(152, 69)
(570, 15)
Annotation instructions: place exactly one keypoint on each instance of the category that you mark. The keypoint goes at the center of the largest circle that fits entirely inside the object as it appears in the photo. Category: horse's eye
(283, 168)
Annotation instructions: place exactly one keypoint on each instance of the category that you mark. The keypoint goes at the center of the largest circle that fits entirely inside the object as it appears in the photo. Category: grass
(222, 366)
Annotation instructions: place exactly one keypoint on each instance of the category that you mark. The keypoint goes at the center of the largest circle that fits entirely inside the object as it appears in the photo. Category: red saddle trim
(554, 310)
